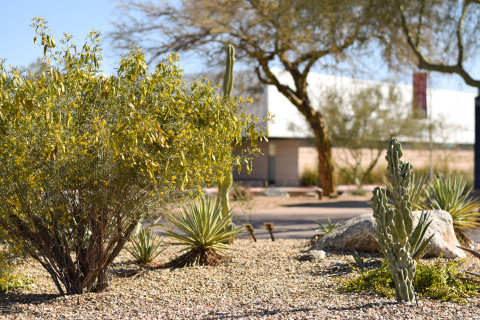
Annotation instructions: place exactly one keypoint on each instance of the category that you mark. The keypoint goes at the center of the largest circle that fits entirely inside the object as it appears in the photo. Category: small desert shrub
(437, 280)
(309, 177)
(86, 156)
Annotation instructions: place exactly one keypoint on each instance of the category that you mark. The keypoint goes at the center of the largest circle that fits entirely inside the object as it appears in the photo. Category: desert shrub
(309, 177)
(85, 156)
(437, 280)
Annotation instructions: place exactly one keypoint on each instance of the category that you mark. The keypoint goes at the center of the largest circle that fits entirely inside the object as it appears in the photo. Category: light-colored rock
(313, 255)
(359, 234)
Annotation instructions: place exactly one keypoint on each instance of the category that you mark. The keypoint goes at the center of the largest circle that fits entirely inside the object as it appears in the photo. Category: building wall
(307, 156)
(286, 162)
(259, 173)
(277, 166)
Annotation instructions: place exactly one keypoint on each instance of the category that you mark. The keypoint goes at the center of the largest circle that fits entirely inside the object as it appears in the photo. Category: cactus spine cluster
(224, 186)
(395, 224)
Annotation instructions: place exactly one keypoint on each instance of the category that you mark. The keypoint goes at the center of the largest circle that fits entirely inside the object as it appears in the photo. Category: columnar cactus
(397, 242)
(228, 77)
(224, 186)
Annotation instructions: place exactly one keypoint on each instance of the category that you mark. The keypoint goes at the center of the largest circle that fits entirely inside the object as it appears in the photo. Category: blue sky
(77, 18)
(80, 17)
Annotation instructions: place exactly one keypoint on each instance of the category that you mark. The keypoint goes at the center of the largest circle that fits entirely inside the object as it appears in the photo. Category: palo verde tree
(86, 156)
(294, 35)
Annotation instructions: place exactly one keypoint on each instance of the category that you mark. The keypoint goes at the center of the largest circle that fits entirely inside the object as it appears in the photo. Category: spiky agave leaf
(417, 240)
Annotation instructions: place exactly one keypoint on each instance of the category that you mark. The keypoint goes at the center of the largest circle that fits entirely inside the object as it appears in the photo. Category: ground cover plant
(438, 280)
(86, 156)
(9, 278)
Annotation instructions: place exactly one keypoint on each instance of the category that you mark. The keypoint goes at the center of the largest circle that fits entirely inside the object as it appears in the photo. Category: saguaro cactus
(397, 242)
(224, 186)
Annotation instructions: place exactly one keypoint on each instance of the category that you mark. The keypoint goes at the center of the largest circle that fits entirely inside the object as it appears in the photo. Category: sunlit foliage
(85, 156)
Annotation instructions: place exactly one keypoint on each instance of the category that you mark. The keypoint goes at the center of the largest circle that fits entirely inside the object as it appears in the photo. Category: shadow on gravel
(9, 301)
(365, 306)
(339, 204)
(224, 315)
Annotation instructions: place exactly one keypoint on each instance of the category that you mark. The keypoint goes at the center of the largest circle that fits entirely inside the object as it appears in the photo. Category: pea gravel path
(263, 280)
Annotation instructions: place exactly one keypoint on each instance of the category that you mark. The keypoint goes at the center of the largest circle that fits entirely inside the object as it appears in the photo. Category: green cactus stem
(225, 185)
(400, 246)
(228, 77)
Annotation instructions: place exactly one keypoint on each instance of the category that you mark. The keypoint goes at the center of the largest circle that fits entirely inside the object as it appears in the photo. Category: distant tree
(361, 121)
(436, 35)
(36, 68)
(294, 34)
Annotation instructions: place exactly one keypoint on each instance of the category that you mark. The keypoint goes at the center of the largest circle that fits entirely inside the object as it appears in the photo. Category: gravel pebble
(263, 280)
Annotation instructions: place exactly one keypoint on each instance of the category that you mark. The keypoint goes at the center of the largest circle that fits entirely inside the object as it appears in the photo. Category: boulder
(359, 234)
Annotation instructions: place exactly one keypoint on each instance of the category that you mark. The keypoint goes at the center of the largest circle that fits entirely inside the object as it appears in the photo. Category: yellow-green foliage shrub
(86, 156)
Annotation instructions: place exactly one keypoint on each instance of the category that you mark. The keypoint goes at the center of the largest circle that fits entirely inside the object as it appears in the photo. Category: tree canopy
(294, 35)
(441, 36)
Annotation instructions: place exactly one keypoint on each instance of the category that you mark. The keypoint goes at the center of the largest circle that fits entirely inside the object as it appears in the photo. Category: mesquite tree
(86, 156)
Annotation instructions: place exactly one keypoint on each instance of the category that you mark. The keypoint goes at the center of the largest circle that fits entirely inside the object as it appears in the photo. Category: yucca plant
(145, 245)
(204, 232)
(449, 194)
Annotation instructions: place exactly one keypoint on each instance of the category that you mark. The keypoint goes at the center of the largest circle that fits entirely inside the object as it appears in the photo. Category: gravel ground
(263, 280)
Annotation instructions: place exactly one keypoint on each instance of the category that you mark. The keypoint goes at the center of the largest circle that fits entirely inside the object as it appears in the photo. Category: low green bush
(309, 177)
(438, 280)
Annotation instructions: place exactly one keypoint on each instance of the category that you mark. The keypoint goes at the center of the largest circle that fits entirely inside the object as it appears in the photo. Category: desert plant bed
(262, 280)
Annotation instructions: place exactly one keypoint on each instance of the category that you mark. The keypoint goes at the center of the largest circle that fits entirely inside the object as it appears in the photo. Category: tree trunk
(324, 149)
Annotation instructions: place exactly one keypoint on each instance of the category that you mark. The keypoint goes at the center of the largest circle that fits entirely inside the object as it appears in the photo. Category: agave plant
(145, 245)
(204, 232)
(449, 194)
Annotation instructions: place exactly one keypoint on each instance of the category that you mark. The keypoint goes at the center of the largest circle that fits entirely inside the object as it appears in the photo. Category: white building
(290, 150)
